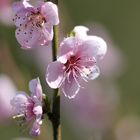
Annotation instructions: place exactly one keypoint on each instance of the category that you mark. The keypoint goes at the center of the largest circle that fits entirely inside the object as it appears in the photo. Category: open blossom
(34, 23)
(30, 107)
(77, 60)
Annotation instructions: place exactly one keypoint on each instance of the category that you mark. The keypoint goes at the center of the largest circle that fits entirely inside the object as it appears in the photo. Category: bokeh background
(107, 108)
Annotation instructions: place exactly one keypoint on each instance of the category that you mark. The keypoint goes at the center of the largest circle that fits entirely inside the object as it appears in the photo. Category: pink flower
(30, 107)
(77, 60)
(35, 24)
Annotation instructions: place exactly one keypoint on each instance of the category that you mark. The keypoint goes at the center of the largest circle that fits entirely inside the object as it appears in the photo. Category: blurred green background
(121, 19)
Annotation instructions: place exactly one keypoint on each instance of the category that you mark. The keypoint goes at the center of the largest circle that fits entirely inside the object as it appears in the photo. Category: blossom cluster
(77, 60)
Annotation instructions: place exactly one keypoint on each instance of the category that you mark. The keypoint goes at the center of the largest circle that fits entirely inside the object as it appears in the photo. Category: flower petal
(47, 35)
(19, 101)
(93, 47)
(90, 73)
(55, 74)
(36, 88)
(70, 86)
(20, 18)
(80, 31)
(50, 12)
(20, 98)
(86, 62)
(17, 6)
(28, 37)
(35, 131)
(38, 110)
(68, 47)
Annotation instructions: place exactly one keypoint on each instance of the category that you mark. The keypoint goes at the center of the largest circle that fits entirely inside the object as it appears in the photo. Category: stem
(55, 119)
(55, 43)
(55, 114)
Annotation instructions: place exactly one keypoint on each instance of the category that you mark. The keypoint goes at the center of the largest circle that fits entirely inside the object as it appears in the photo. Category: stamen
(18, 116)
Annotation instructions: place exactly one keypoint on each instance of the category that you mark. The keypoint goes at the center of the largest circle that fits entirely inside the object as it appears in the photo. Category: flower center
(37, 19)
(72, 63)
